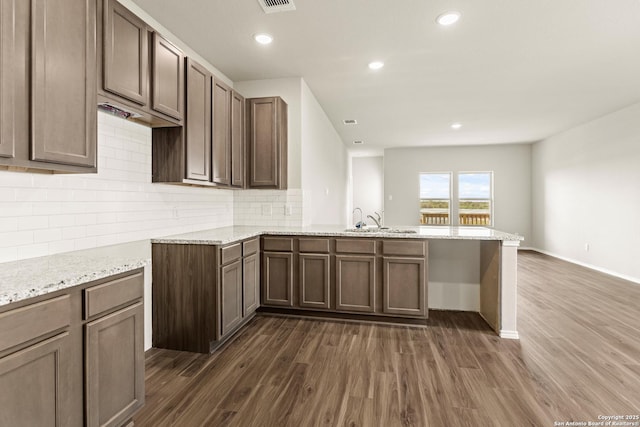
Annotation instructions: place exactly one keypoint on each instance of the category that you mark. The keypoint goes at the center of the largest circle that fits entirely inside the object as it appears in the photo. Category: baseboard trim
(510, 335)
(633, 280)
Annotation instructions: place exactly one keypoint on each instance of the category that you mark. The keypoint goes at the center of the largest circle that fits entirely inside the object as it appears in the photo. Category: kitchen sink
(381, 230)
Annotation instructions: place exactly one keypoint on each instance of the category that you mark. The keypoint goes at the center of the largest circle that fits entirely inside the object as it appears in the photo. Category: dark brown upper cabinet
(8, 42)
(168, 78)
(47, 111)
(126, 53)
(221, 147)
(267, 145)
(198, 122)
(237, 140)
(63, 99)
(140, 71)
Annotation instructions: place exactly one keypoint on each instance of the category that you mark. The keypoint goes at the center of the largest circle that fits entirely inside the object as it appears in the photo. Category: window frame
(491, 198)
(450, 199)
(454, 198)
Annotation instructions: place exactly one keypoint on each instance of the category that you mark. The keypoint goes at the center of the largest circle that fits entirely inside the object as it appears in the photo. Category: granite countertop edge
(34, 277)
(228, 235)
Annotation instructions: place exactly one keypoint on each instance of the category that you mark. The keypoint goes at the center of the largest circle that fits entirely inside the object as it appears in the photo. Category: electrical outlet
(288, 210)
(586, 247)
(267, 210)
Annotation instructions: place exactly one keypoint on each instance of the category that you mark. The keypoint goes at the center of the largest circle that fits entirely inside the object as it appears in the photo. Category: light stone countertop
(226, 235)
(33, 277)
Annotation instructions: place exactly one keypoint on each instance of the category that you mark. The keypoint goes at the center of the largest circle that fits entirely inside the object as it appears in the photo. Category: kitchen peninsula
(208, 284)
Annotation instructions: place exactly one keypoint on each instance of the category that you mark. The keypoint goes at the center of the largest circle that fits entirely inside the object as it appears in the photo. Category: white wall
(454, 273)
(368, 186)
(323, 166)
(511, 166)
(586, 190)
(43, 214)
(317, 158)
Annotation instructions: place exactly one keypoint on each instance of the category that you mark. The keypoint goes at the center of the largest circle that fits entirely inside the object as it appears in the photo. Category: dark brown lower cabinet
(277, 277)
(231, 296)
(114, 359)
(355, 283)
(404, 287)
(74, 357)
(34, 388)
(251, 277)
(202, 294)
(314, 280)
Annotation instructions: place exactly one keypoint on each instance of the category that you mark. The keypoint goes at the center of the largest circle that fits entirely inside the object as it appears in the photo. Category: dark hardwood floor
(578, 358)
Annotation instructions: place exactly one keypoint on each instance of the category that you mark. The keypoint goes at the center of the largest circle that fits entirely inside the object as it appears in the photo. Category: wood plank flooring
(578, 358)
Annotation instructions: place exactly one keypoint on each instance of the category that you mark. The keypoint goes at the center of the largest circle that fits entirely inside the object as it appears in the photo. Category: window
(464, 198)
(435, 198)
(475, 198)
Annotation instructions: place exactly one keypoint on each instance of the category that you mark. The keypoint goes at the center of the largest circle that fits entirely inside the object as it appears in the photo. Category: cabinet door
(126, 53)
(251, 281)
(63, 93)
(221, 133)
(277, 279)
(231, 296)
(8, 77)
(404, 286)
(267, 143)
(168, 78)
(114, 367)
(355, 283)
(314, 281)
(237, 140)
(34, 385)
(198, 122)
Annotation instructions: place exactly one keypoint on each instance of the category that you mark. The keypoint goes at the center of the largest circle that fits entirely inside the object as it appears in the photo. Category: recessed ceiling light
(263, 38)
(376, 65)
(358, 142)
(448, 18)
(456, 126)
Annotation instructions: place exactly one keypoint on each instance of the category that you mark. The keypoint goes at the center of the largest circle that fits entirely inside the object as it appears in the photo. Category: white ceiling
(510, 71)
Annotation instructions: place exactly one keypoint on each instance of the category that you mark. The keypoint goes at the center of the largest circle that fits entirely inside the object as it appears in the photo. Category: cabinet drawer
(320, 246)
(32, 321)
(101, 298)
(404, 247)
(250, 247)
(230, 253)
(361, 246)
(277, 244)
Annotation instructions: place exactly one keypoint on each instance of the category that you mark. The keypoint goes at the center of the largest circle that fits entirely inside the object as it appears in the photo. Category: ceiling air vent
(350, 121)
(272, 6)
(358, 142)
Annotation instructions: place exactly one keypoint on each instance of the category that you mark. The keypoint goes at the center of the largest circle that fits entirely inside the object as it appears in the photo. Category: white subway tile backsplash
(7, 195)
(16, 238)
(8, 254)
(31, 251)
(43, 213)
(33, 222)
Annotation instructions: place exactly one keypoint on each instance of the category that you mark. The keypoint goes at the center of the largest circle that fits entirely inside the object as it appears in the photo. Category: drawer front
(360, 246)
(102, 298)
(277, 244)
(404, 247)
(230, 253)
(320, 246)
(33, 321)
(250, 247)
